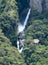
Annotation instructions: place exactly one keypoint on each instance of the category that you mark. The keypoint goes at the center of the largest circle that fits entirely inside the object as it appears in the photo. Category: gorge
(21, 30)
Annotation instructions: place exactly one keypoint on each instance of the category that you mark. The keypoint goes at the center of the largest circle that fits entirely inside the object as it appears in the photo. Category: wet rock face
(36, 5)
(39, 5)
(46, 1)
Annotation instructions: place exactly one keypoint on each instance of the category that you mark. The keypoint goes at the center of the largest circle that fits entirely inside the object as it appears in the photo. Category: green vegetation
(37, 28)
(9, 19)
(22, 5)
(8, 28)
(36, 54)
(9, 54)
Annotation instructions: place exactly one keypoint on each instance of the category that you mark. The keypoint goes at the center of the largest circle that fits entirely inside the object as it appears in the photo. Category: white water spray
(21, 29)
(18, 47)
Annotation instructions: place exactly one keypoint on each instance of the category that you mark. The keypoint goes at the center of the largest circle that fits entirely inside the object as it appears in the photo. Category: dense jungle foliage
(36, 28)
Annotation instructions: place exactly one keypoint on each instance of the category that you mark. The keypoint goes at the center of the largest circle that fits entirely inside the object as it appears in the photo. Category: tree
(9, 19)
(38, 30)
(22, 5)
(36, 54)
(9, 54)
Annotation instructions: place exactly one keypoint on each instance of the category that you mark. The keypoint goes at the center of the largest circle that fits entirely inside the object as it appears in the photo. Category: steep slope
(46, 1)
(37, 28)
(9, 54)
(9, 19)
(39, 5)
(23, 5)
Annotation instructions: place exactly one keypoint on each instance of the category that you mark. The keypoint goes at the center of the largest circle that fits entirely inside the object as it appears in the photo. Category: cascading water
(20, 30)
(22, 27)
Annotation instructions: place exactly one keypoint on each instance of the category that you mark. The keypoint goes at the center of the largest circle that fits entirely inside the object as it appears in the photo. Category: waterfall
(18, 46)
(27, 17)
(20, 30)
(22, 27)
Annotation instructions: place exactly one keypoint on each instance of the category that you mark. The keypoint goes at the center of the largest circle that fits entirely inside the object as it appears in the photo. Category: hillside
(13, 12)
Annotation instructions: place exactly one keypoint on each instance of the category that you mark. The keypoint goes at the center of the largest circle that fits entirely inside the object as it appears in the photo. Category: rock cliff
(39, 5)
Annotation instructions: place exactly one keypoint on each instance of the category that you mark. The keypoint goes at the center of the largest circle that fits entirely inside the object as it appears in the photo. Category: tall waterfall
(22, 27)
(20, 30)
